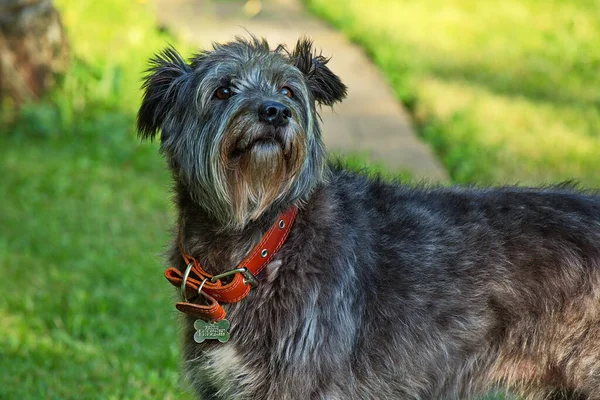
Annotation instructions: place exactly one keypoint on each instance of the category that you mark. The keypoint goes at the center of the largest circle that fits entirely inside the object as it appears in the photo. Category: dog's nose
(274, 113)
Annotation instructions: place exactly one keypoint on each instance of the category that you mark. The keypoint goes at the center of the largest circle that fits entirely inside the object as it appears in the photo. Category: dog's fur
(382, 291)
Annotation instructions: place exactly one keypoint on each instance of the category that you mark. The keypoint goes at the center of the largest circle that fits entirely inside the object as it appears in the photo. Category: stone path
(370, 121)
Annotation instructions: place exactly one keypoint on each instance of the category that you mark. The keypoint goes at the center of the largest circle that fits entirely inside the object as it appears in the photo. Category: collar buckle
(248, 276)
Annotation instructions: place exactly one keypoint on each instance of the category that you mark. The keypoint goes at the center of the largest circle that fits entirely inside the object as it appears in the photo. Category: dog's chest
(224, 369)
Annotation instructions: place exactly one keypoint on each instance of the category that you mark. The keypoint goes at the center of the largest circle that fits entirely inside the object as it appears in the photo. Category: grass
(363, 163)
(504, 91)
(85, 212)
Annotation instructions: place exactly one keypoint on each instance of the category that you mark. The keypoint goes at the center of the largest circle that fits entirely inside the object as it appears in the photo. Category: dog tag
(211, 330)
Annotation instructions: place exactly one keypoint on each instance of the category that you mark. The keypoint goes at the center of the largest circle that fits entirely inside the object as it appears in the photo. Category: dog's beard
(262, 163)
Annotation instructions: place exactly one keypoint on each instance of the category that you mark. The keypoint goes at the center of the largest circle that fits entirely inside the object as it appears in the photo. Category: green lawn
(505, 91)
(85, 310)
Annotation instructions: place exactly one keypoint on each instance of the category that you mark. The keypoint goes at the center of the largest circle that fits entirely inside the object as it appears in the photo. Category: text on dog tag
(211, 330)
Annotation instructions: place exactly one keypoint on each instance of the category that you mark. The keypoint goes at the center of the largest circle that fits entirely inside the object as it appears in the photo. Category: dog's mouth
(266, 139)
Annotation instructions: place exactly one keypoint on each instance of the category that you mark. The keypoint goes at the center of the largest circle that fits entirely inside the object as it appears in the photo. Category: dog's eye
(223, 93)
(286, 91)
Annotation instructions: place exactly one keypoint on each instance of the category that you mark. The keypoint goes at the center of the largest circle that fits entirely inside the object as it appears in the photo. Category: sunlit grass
(85, 215)
(363, 163)
(505, 91)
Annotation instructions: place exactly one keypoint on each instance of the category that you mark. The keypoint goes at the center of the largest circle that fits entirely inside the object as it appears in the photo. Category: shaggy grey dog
(382, 291)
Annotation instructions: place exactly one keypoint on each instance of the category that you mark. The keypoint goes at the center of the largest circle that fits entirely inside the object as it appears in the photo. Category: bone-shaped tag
(211, 330)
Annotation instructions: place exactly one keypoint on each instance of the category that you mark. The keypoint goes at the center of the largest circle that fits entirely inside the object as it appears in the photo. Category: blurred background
(450, 91)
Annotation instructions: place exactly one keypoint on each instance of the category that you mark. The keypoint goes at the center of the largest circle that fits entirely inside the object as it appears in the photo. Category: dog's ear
(167, 73)
(326, 87)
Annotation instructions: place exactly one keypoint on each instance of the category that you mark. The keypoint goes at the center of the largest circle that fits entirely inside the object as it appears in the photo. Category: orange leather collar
(195, 281)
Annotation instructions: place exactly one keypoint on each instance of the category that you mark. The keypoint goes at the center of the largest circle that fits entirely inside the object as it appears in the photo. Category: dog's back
(483, 286)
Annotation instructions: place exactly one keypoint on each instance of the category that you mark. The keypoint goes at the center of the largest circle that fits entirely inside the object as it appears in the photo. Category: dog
(376, 289)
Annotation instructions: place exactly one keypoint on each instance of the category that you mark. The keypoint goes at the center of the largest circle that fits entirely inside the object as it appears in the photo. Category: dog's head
(239, 125)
